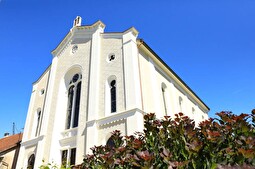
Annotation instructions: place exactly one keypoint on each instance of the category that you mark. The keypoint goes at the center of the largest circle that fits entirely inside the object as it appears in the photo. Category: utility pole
(13, 128)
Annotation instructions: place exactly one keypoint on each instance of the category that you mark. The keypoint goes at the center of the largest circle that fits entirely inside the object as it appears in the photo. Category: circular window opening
(74, 48)
(42, 92)
(111, 57)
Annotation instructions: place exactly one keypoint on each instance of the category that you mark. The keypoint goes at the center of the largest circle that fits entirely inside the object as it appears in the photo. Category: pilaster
(48, 117)
(131, 70)
(94, 74)
(93, 91)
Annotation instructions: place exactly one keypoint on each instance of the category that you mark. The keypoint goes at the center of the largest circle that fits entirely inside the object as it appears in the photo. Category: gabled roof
(10, 142)
(89, 28)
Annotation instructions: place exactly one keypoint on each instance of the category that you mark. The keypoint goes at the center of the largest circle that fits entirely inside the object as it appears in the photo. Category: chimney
(6, 134)
(77, 21)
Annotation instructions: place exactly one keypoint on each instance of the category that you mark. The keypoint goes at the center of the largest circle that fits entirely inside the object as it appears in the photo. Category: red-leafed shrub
(174, 142)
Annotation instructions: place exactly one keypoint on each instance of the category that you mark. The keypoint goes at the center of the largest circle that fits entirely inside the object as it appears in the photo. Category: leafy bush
(175, 142)
(53, 165)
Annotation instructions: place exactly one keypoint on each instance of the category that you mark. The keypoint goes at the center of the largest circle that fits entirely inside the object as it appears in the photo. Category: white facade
(112, 69)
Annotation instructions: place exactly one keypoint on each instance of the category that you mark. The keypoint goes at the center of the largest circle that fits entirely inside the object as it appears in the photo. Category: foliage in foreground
(175, 142)
(53, 165)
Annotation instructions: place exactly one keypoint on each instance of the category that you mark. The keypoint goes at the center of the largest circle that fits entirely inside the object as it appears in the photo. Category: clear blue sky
(210, 44)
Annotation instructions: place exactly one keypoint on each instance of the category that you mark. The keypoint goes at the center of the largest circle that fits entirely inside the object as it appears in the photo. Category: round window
(111, 57)
(42, 92)
(74, 48)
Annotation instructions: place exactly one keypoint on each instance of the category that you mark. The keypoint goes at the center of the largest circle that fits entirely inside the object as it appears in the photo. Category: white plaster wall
(78, 63)
(133, 98)
(36, 101)
(152, 77)
(105, 131)
(108, 69)
(24, 158)
(147, 83)
(38, 104)
(173, 101)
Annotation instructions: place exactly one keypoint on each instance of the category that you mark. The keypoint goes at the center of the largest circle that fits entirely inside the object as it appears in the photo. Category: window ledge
(118, 116)
(32, 141)
(69, 133)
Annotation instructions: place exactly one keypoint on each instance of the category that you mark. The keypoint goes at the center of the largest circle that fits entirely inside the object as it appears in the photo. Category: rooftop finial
(77, 21)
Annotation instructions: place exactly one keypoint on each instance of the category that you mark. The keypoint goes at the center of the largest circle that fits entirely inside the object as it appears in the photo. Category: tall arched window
(193, 110)
(163, 89)
(113, 95)
(180, 103)
(38, 123)
(31, 162)
(73, 107)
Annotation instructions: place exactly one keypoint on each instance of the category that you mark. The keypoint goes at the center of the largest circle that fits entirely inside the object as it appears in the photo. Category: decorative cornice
(115, 117)
(46, 71)
(32, 141)
(68, 140)
(94, 25)
(89, 29)
(118, 117)
(62, 45)
(116, 35)
(132, 30)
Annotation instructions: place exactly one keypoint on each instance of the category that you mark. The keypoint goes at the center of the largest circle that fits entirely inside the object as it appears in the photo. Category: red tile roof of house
(9, 142)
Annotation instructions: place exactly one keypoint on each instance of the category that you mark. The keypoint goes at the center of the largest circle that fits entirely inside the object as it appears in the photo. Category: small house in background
(9, 150)
(99, 82)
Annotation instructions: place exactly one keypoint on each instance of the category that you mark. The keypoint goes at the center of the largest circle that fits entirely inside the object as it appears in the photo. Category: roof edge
(69, 34)
(45, 71)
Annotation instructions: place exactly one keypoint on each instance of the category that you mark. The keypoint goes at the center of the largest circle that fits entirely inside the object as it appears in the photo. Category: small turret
(77, 21)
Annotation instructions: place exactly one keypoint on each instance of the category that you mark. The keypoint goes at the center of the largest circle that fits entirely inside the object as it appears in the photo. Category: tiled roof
(10, 141)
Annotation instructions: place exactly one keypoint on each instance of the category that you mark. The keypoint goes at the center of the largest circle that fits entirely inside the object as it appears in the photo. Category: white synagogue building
(99, 82)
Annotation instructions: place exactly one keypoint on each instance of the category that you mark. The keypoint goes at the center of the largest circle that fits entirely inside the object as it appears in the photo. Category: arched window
(110, 143)
(38, 124)
(180, 103)
(193, 111)
(113, 95)
(163, 89)
(73, 107)
(31, 162)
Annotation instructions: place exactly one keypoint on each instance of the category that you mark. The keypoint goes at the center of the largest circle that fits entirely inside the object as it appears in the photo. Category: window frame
(70, 157)
(31, 161)
(38, 122)
(73, 101)
(113, 96)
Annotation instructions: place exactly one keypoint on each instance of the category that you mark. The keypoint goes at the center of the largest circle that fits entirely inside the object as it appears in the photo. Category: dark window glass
(31, 162)
(38, 123)
(164, 100)
(77, 105)
(113, 96)
(111, 57)
(110, 143)
(73, 156)
(70, 106)
(73, 107)
(75, 78)
(64, 158)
